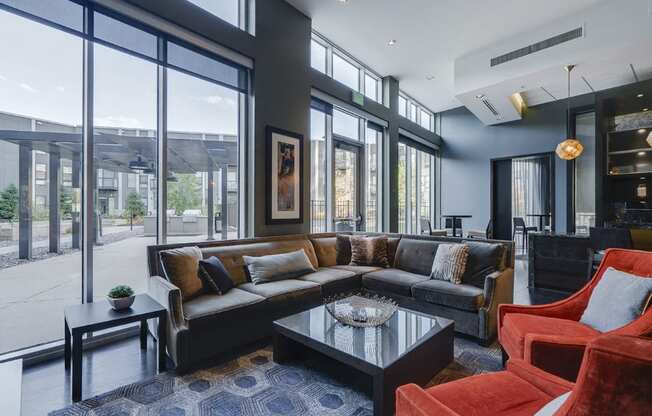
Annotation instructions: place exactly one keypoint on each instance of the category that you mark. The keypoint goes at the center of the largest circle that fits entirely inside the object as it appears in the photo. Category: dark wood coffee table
(409, 348)
(96, 316)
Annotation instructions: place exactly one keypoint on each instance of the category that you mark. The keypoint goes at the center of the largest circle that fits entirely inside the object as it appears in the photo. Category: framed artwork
(284, 154)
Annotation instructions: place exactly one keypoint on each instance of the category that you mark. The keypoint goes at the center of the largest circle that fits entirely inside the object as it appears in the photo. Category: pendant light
(570, 148)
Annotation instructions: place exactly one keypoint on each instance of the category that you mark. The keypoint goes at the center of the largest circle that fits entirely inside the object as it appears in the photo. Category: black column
(54, 201)
(24, 202)
(391, 92)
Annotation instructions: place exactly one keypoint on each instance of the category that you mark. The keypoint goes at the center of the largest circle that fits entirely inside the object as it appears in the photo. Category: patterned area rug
(254, 385)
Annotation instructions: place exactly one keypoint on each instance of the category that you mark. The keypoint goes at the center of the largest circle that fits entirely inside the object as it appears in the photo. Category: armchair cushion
(465, 297)
(618, 299)
(517, 325)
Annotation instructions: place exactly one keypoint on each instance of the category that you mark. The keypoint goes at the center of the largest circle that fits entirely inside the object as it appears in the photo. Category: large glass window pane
(402, 188)
(203, 169)
(412, 184)
(585, 174)
(402, 106)
(373, 199)
(125, 162)
(124, 35)
(371, 87)
(346, 125)
(317, 56)
(317, 171)
(227, 10)
(40, 154)
(345, 72)
(346, 187)
(62, 12)
(425, 187)
(424, 120)
(412, 112)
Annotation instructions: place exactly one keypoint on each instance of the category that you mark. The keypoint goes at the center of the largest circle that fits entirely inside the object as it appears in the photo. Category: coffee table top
(378, 346)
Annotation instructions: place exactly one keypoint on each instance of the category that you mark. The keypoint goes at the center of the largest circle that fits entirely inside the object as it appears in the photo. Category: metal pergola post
(54, 201)
(25, 188)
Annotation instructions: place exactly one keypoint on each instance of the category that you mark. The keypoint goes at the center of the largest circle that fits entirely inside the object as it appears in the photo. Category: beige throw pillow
(181, 266)
(450, 262)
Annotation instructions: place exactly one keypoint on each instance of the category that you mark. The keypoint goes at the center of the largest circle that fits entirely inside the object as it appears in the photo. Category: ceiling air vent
(491, 107)
(535, 47)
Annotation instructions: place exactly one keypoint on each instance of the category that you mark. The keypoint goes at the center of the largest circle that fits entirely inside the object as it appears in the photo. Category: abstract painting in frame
(284, 176)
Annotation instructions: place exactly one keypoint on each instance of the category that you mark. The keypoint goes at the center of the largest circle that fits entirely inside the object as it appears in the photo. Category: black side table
(96, 316)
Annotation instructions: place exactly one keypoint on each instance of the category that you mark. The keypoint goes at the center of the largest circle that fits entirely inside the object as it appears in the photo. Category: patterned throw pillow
(450, 262)
(369, 251)
(343, 249)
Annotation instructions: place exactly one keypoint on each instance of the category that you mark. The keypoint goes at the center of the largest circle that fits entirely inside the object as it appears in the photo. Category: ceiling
(431, 35)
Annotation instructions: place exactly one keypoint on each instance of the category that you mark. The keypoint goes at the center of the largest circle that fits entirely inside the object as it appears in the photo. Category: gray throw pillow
(278, 266)
(553, 405)
(450, 262)
(617, 299)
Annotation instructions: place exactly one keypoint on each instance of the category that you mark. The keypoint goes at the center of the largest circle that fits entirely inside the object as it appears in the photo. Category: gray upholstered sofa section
(205, 327)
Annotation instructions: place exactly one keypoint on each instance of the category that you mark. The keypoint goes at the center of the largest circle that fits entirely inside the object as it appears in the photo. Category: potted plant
(121, 297)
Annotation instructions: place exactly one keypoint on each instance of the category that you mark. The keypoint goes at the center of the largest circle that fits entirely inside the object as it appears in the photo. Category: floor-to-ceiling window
(416, 189)
(584, 185)
(353, 146)
(147, 94)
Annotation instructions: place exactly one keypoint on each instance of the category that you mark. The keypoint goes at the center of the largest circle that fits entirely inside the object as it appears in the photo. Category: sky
(41, 77)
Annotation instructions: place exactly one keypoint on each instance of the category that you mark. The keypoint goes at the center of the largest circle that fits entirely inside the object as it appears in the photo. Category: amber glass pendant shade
(569, 149)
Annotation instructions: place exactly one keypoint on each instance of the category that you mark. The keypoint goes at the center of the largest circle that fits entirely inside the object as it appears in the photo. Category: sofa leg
(505, 357)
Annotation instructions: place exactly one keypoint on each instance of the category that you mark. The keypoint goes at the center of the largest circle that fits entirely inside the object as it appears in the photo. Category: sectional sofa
(210, 324)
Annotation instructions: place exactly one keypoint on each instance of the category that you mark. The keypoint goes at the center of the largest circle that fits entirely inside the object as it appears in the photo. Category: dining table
(454, 218)
(541, 218)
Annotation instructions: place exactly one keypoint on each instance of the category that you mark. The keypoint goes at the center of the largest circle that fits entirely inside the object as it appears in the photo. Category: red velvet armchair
(551, 337)
(615, 379)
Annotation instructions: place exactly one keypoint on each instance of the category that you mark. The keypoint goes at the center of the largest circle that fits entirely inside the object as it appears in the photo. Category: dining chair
(520, 227)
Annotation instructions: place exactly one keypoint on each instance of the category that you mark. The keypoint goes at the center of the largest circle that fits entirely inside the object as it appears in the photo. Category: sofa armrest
(614, 379)
(169, 296)
(558, 355)
(548, 383)
(498, 289)
(412, 400)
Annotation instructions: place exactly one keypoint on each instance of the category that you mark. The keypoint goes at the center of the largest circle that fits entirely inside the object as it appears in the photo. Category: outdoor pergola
(127, 153)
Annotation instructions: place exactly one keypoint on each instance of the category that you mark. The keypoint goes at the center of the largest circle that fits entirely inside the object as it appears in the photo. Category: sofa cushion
(392, 245)
(369, 251)
(326, 275)
(230, 253)
(395, 281)
(617, 299)
(415, 256)
(517, 325)
(439, 292)
(358, 270)
(325, 250)
(208, 308)
(450, 263)
(214, 275)
(483, 259)
(181, 268)
(282, 266)
(284, 291)
(343, 249)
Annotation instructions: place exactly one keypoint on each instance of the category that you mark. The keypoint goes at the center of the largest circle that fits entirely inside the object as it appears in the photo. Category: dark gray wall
(469, 146)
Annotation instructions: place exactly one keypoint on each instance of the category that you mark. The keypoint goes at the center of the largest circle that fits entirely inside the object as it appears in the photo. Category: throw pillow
(484, 259)
(553, 405)
(215, 276)
(278, 266)
(343, 249)
(181, 268)
(450, 262)
(369, 251)
(617, 299)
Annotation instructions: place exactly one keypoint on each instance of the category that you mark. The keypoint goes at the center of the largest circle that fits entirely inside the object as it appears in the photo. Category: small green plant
(121, 291)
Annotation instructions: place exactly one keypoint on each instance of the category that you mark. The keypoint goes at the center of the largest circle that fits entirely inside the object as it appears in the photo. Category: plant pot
(120, 304)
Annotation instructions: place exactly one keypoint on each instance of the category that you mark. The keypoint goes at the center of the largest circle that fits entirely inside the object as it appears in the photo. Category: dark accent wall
(469, 146)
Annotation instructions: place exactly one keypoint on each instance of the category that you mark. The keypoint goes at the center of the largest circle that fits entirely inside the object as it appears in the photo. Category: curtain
(530, 188)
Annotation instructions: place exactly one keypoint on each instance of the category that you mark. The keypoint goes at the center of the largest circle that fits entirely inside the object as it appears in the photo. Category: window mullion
(88, 174)
(162, 141)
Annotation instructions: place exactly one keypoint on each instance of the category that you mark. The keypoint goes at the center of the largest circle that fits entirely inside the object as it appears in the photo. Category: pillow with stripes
(450, 262)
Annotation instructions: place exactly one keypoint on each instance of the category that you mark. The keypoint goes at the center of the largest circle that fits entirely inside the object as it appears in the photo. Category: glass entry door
(347, 188)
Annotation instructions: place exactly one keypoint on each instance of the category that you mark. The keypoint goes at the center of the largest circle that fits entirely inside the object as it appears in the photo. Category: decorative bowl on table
(360, 311)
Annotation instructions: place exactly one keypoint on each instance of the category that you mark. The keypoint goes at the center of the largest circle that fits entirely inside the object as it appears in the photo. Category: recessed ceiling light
(480, 96)
(430, 77)
(342, 1)
(642, 131)
(641, 153)
(639, 96)
(392, 42)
